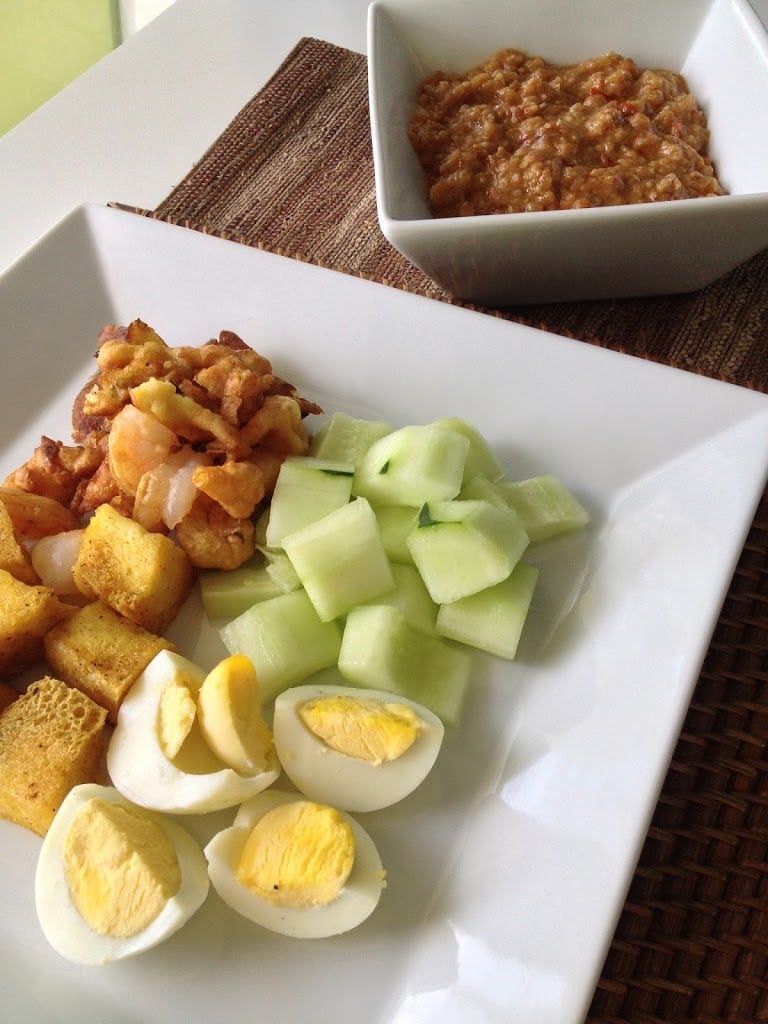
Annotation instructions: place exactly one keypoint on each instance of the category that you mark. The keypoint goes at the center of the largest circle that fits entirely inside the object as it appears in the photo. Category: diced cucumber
(480, 488)
(279, 568)
(340, 559)
(411, 598)
(306, 490)
(460, 547)
(491, 620)
(379, 650)
(412, 465)
(285, 640)
(345, 438)
(481, 459)
(395, 523)
(226, 594)
(546, 507)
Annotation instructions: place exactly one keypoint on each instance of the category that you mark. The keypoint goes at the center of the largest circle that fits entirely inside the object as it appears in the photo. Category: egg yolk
(299, 854)
(229, 714)
(121, 868)
(368, 730)
(176, 716)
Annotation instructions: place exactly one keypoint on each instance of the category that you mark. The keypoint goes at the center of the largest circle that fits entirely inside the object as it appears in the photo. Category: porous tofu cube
(143, 576)
(51, 739)
(101, 653)
(13, 557)
(27, 613)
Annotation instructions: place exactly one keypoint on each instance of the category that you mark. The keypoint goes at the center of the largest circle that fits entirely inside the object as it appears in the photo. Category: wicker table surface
(293, 173)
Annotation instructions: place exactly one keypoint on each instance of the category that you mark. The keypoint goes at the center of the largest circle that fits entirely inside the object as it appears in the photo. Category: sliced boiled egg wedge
(296, 867)
(357, 749)
(113, 879)
(229, 713)
(190, 742)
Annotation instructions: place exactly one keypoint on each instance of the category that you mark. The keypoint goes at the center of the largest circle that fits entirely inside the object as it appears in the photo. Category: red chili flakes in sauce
(517, 134)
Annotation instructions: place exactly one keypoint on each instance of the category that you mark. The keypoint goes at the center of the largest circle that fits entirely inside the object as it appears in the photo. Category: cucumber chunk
(480, 488)
(347, 439)
(227, 593)
(493, 619)
(306, 490)
(460, 547)
(411, 598)
(412, 465)
(481, 459)
(379, 650)
(546, 507)
(285, 640)
(395, 524)
(280, 569)
(340, 559)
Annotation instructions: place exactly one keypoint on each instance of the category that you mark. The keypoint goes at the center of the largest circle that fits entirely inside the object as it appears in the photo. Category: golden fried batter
(55, 470)
(237, 486)
(209, 427)
(212, 538)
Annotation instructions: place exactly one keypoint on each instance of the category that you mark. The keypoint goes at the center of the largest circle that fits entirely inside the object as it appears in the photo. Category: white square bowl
(654, 248)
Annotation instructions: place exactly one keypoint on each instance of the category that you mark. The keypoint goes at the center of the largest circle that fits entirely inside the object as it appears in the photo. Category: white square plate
(508, 868)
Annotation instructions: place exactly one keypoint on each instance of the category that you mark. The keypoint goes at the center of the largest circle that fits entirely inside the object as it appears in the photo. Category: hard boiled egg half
(114, 879)
(296, 867)
(356, 749)
(191, 742)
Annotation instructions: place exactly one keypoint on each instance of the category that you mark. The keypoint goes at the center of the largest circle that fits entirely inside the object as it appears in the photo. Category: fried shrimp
(166, 493)
(138, 442)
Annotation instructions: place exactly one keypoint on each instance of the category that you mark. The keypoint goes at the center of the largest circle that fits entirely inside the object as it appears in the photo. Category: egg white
(344, 782)
(196, 781)
(355, 903)
(63, 926)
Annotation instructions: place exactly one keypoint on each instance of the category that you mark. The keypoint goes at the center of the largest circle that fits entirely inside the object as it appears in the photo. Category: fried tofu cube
(27, 613)
(102, 653)
(144, 576)
(51, 739)
(13, 557)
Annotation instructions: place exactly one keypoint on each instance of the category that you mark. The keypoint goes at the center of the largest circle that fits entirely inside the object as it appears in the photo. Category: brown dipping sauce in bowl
(517, 134)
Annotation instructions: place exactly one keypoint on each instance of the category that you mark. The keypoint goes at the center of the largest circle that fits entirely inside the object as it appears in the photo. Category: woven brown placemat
(293, 173)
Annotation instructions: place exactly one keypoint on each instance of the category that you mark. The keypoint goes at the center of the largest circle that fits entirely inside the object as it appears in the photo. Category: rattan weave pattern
(692, 941)
(292, 173)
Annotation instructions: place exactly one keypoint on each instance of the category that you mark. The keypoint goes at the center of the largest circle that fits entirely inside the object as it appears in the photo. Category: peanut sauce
(517, 134)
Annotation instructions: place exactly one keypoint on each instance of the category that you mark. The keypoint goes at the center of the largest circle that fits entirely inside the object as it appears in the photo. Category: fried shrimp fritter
(185, 440)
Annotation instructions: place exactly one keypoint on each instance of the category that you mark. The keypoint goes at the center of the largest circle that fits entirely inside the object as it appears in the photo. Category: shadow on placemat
(293, 173)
